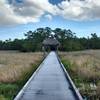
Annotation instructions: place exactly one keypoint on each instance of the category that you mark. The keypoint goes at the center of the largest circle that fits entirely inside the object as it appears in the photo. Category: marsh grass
(84, 68)
(15, 70)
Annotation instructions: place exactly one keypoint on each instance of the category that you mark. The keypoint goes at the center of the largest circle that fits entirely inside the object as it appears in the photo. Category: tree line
(68, 40)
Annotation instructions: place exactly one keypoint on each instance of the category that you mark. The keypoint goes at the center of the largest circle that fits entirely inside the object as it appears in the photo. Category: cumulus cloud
(24, 12)
(80, 9)
(32, 10)
(7, 15)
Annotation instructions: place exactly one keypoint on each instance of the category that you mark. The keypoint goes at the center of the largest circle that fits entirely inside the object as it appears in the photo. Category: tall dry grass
(84, 67)
(14, 64)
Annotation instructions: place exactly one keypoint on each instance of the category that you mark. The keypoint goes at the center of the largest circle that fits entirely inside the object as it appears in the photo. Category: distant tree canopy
(68, 40)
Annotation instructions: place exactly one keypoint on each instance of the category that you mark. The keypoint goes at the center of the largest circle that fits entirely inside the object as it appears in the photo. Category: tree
(64, 37)
(95, 41)
(36, 38)
(68, 40)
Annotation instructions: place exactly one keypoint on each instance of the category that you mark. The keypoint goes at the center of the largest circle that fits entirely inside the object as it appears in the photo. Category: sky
(19, 16)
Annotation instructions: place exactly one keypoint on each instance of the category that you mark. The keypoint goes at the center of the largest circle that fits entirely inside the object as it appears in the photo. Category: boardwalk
(49, 83)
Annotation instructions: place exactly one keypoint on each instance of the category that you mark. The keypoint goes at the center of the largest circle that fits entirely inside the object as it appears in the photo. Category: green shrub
(7, 91)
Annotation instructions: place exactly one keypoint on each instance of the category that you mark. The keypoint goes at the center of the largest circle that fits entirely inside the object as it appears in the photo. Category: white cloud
(80, 10)
(7, 15)
(48, 16)
(33, 10)
(25, 12)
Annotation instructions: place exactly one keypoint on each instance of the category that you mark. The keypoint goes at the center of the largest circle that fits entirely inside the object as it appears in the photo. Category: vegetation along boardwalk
(49, 83)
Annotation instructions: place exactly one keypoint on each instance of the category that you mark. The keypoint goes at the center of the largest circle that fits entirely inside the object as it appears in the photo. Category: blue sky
(15, 20)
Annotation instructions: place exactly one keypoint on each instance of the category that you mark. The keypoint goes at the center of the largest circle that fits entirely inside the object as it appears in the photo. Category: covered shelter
(50, 44)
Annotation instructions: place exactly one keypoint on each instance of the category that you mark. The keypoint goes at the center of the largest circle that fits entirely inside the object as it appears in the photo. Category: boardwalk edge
(20, 94)
(76, 91)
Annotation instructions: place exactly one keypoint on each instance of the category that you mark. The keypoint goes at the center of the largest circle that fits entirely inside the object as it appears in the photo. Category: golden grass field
(15, 69)
(14, 64)
(84, 68)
